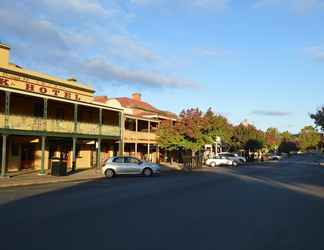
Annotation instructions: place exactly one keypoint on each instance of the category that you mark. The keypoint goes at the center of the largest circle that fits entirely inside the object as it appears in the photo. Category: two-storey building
(140, 123)
(44, 118)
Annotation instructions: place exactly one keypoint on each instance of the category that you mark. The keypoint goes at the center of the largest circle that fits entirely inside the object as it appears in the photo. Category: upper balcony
(33, 114)
(137, 130)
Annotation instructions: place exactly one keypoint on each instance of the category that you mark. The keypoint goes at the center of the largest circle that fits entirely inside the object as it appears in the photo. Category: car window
(118, 160)
(132, 160)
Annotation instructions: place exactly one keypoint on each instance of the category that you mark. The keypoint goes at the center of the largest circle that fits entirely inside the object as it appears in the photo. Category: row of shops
(43, 118)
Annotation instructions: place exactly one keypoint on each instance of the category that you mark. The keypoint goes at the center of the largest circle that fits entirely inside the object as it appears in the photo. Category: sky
(260, 60)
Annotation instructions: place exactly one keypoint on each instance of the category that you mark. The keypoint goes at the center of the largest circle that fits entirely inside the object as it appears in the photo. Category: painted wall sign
(44, 88)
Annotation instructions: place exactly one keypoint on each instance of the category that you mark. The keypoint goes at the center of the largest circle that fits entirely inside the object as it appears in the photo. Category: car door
(133, 165)
(119, 165)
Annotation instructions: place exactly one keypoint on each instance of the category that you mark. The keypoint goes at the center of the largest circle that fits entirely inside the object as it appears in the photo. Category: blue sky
(261, 60)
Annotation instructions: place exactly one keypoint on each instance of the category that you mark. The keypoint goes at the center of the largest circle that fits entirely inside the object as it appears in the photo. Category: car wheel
(213, 164)
(234, 164)
(147, 172)
(109, 173)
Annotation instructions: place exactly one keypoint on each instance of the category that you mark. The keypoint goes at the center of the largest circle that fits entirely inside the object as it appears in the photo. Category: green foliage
(288, 146)
(319, 118)
(218, 126)
(309, 138)
(286, 136)
(272, 138)
(254, 145)
(187, 133)
(244, 133)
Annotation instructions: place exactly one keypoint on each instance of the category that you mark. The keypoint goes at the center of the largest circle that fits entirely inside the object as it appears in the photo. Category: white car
(121, 165)
(233, 157)
(220, 160)
(275, 157)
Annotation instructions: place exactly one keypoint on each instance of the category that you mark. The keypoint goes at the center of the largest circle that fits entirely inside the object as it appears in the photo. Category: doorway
(27, 156)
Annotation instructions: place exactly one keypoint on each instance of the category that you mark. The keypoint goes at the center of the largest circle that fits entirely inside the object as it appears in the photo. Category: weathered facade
(44, 117)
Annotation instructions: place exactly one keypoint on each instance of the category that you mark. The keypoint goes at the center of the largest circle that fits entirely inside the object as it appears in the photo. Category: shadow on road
(245, 208)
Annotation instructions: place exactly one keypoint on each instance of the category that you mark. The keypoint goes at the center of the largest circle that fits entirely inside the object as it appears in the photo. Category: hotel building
(43, 118)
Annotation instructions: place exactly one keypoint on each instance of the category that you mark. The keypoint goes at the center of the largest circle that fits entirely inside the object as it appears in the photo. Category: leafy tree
(218, 126)
(309, 138)
(319, 118)
(286, 136)
(254, 145)
(288, 146)
(242, 134)
(169, 137)
(188, 133)
(272, 138)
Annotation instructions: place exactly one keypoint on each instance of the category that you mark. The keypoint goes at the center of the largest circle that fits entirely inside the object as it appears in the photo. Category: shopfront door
(27, 156)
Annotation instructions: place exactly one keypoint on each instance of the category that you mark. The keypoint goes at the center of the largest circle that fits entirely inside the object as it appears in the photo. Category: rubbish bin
(59, 168)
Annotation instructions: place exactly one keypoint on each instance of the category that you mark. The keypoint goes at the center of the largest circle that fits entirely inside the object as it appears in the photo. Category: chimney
(72, 80)
(4, 55)
(136, 96)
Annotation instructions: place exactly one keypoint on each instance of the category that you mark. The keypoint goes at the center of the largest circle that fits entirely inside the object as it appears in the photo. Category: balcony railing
(32, 123)
(25, 122)
(139, 136)
(60, 126)
(2, 120)
(110, 130)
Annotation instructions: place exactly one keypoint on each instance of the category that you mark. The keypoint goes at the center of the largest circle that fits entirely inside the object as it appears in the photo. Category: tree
(218, 126)
(309, 138)
(319, 118)
(288, 146)
(169, 137)
(188, 133)
(272, 139)
(286, 136)
(242, 134)
(254, 145)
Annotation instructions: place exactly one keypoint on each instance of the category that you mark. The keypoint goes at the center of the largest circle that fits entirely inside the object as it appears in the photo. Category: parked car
(233, 157)
(275, 157)
(129, 165)
(220, 160)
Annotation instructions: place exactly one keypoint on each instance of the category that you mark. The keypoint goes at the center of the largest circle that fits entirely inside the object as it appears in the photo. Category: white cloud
(205, 4)
(43, 38)
(126, 47)
(80, 6)
(317, 52)
(270, 113)
(108, 72)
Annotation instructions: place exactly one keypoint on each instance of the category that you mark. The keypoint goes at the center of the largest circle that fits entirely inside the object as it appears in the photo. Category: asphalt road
(274, 206)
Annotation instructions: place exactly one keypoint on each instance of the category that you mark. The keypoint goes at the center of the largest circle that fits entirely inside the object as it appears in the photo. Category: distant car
(233, 157)
(275, 157)
(123, 165)
(220, 160)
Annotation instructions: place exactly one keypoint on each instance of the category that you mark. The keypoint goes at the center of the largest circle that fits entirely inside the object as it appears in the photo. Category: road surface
(271, 206)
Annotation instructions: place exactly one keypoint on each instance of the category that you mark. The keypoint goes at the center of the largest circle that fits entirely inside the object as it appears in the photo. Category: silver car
(121, 165)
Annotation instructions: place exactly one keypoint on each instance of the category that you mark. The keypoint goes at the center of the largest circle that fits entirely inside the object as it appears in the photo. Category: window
(132, 160)
(118, 160)
(38, 110)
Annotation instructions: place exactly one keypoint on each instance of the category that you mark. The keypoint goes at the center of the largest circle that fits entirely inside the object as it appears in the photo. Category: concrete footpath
(33, 178)
(27, 178)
